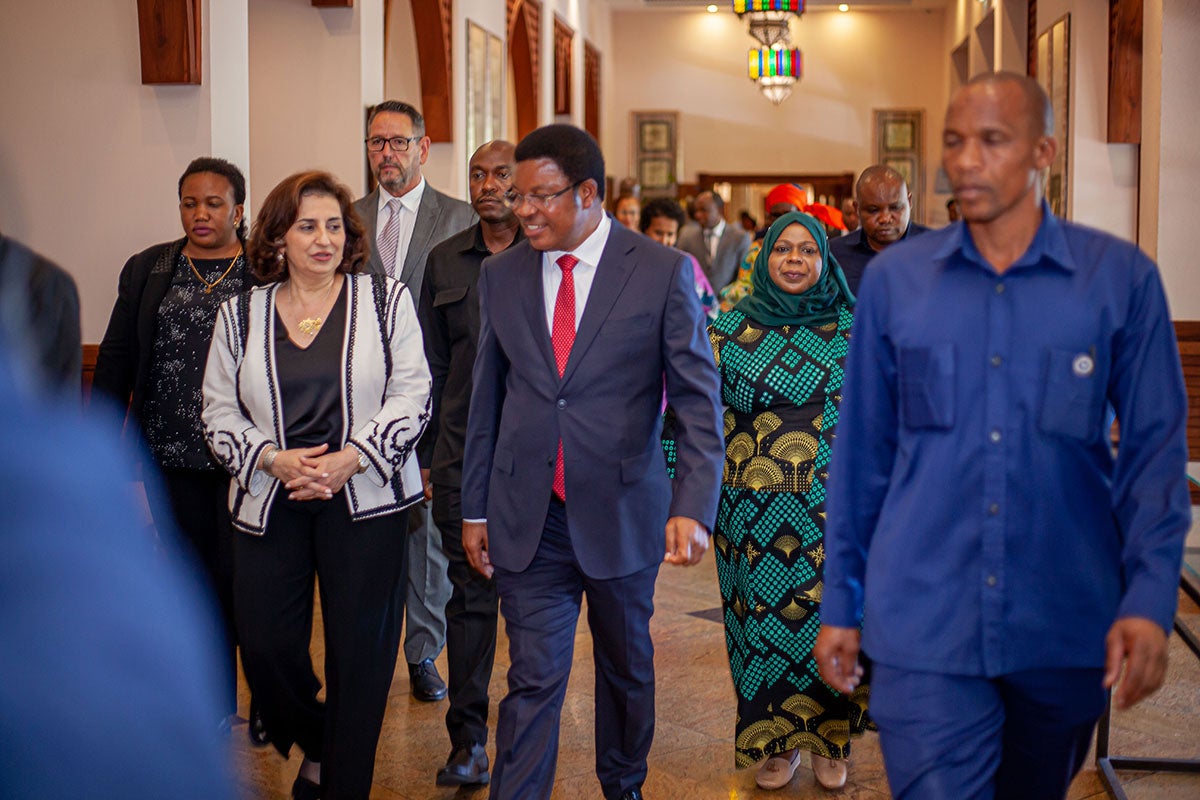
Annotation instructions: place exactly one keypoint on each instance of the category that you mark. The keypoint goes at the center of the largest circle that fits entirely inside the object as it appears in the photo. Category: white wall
(1179, 154)
(89, 157)
(312, 74)
(855, 62)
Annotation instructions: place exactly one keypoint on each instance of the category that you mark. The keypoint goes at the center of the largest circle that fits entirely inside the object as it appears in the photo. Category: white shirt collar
(590, 249)
(719, 229)
(410, 199)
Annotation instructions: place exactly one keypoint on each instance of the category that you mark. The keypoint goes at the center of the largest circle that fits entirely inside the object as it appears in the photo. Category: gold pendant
(310, 326)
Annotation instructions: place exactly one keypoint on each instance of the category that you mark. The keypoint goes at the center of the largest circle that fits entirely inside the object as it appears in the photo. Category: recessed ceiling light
(843, 7)
(712, 8)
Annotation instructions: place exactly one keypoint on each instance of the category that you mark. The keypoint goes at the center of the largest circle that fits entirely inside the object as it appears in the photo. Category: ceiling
(727, 6)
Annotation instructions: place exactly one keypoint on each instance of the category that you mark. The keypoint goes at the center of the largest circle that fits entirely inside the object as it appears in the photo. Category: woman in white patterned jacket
(315, 394)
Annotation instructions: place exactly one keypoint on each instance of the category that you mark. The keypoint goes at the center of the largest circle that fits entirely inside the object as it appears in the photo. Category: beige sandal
(777, 771)
(830, 772)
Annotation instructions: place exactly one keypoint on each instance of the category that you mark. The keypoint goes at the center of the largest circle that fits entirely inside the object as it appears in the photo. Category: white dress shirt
(588, 253)
(716, 233)
(409, 203)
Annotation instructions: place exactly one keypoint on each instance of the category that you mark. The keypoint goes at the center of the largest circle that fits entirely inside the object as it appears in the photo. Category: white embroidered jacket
(383, 414)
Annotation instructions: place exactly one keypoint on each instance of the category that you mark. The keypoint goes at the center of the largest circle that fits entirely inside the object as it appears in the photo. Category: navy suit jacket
(642, 324)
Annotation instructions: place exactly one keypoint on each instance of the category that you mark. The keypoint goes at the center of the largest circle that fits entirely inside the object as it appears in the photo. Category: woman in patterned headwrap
(780, 352)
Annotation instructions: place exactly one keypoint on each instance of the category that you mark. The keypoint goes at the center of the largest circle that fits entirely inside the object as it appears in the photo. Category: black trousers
(470, 627)
(199, 502)
(541, 607)
(360, 566)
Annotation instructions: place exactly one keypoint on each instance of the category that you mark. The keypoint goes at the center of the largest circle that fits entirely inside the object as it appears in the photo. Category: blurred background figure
(44, 305)
(850, 215)
(110, 684)
(780, 353)
(151, 362)
(952, 212)
(719, 246)
(315, 393)
(749, 223)
(661, 220)
(628, 211)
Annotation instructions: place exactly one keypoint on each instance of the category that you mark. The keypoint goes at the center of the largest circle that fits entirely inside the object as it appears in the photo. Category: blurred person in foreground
(1005, 567)
(315, 394)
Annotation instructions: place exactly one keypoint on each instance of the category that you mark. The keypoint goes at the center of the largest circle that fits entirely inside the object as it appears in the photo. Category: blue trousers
(1021, 736)
(541, 607)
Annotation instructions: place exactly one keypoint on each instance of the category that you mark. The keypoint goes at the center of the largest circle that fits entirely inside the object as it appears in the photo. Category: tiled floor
(692, 757)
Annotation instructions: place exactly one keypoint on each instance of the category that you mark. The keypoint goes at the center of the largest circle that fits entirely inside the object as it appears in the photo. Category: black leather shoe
(426, 684)
(467, 766)
(256, 730)
(633, 794)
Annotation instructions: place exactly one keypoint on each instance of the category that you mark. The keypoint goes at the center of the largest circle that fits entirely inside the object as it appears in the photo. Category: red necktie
(562, 336)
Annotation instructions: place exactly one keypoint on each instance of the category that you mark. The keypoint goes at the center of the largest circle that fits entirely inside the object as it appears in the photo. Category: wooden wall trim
(1125, 23)
(524, 26)
(564, 52)
(432, 24)
(169, 34)
(591, 89)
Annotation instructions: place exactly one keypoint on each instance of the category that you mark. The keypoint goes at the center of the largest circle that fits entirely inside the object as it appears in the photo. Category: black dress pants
(360, 567)
(470, 627)
(200, 505)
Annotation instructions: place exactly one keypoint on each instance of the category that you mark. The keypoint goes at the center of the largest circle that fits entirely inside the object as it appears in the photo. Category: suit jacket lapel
(532, 294)
(612, 272)
(418, 245)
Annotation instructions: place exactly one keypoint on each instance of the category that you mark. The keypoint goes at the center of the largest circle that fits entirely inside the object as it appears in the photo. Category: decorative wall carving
(564, 37)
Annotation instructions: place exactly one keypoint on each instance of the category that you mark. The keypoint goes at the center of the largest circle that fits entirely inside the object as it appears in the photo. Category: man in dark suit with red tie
(565, 491)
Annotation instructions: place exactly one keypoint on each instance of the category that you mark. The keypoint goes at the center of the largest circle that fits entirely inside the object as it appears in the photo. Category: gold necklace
(310, 325)
(208, 287)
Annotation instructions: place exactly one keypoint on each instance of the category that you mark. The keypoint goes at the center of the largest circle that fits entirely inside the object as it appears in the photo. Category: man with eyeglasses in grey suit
(405, 217)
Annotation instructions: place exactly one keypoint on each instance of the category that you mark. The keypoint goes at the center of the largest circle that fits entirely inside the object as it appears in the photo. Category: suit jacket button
(562, 403)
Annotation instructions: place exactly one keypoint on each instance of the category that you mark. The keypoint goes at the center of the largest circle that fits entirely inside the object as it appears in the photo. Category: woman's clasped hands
(313, 473)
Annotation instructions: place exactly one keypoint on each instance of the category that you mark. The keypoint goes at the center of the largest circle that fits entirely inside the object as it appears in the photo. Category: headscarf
(817, 305)
(786, 193)
(828, 214)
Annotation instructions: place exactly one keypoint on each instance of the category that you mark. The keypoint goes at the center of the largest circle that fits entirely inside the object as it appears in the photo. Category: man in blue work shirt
(1011, 568)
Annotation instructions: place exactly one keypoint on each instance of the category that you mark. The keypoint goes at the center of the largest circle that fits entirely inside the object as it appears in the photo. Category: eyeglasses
(399, 144)
(514, 199)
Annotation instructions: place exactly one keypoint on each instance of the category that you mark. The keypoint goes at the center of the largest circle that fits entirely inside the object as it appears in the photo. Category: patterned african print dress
(782, 388)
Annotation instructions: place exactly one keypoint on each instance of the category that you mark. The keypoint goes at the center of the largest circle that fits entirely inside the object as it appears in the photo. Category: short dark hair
(661, 207)
(219, 166)
(572, 149)
(399, 107)
(1037, 102)
(278, 213)
(716, 198)
(879, 172)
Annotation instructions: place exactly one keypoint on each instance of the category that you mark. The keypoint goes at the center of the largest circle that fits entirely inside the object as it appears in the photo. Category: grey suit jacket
(731, 249)
(438, 218)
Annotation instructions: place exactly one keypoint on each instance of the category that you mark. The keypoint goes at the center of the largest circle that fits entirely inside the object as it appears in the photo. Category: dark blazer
(51, 300)
(642, 323)
(731, 249)
(123, 362)
(439, 217)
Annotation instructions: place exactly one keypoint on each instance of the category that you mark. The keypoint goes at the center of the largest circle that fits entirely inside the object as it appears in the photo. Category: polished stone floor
(692, 757)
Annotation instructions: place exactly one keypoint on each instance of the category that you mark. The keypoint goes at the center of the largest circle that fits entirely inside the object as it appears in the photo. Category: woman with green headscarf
(780, 352)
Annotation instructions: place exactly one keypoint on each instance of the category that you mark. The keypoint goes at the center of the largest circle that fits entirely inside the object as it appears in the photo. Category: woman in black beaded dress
(152, 359)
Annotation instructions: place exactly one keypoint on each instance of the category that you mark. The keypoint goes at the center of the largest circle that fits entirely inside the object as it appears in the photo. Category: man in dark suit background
(718, 246)
(450, 324)
(884, 206)
(565, 491)
(405, 217)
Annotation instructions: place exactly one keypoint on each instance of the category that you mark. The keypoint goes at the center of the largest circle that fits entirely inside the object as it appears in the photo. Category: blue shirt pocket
(926, 380)
(1073, 395)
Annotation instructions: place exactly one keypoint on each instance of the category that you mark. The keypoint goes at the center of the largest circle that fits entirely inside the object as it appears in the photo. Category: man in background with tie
(565, 492)
(718, 246)
(405, 217)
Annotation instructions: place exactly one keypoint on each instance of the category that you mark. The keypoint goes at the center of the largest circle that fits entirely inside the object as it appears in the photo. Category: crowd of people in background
(437, 413)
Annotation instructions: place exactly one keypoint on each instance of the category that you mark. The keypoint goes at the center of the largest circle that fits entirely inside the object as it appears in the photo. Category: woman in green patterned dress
(780, 352)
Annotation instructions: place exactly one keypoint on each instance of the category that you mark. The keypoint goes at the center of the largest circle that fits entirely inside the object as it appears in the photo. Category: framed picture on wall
(654, 151)
(1054, 74)
(900, 144)
(485, 86)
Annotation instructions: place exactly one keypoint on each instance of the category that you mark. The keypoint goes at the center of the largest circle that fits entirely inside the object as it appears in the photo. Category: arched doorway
(524, 25)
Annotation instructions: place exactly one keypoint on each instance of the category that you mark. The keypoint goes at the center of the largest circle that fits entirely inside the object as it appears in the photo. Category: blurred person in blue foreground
(1011, 568)
(151, 361)
(109, 676)
(780, 353)
(315, 394)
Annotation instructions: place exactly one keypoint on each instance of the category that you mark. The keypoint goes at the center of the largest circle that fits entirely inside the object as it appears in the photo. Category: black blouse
(310, 381)
(174, 396)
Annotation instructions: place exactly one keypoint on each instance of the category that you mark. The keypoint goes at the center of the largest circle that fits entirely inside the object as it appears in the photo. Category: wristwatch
(363, 463)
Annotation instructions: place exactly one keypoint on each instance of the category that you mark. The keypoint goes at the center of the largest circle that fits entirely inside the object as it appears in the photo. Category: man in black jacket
(449, 314)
